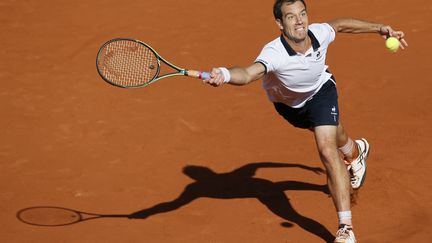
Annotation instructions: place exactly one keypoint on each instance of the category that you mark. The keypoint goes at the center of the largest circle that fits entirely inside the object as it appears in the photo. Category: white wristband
(226, 74)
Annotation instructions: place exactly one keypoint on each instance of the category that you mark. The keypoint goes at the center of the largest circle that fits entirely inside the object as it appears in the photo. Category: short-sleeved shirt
(293, 78)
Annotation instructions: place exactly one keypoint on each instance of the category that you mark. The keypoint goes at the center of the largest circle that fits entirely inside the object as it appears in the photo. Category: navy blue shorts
(321, 110)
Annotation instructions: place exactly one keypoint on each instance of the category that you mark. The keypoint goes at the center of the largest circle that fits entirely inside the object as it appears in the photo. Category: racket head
(127, 63)
(49, 216)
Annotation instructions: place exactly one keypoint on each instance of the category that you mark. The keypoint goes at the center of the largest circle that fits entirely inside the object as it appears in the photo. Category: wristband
(225, 72)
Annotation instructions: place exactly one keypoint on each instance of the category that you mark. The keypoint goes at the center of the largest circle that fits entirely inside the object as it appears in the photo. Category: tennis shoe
(345, 234)
(357, 168)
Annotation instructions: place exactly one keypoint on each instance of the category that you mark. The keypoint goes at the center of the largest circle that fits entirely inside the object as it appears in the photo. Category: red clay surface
(70, 140)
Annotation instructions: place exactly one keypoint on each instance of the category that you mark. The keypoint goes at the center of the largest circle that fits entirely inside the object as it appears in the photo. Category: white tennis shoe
(357, 168)
(345, 234)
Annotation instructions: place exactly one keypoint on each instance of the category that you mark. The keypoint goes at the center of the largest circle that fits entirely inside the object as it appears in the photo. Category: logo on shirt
(318, 55)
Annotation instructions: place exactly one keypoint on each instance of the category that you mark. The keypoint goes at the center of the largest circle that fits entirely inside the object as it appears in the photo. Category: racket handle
(198, 74)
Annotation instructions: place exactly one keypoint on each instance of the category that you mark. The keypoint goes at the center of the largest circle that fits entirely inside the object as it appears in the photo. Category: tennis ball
(392, 44)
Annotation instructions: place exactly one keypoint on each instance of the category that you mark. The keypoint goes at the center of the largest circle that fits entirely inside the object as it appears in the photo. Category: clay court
(70, 140)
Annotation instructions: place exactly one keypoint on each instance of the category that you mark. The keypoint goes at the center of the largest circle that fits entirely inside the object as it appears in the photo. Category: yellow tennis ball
(392, 44)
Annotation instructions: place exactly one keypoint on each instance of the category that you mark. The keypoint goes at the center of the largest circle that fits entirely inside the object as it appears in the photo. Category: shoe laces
(343, 232)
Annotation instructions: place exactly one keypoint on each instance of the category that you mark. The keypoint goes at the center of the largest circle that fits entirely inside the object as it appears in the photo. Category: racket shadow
(52, 216)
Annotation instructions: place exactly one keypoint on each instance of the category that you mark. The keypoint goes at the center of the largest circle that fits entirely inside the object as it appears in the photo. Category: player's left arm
(350, 25)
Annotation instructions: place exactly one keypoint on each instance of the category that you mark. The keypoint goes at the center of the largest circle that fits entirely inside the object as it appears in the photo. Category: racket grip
(205, 75)
(198, 74)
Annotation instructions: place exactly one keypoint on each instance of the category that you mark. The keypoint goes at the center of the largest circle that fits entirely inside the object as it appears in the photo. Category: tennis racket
(58, 216)
(129, 63)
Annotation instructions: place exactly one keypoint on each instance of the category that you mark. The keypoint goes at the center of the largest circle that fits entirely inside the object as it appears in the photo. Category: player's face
(294, 23)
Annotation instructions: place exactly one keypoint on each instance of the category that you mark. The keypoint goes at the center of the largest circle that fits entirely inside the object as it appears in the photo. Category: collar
(291, 52)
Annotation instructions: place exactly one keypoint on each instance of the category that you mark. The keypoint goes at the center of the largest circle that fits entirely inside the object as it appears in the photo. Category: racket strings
(127, 63)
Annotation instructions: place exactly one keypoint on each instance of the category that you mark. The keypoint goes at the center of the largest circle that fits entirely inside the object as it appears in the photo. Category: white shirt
(293, 78)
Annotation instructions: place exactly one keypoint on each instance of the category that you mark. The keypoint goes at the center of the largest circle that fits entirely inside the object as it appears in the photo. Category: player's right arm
(236, 75)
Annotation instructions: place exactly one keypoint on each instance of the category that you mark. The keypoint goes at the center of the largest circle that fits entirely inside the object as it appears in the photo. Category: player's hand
(387, 31)
(216, 78)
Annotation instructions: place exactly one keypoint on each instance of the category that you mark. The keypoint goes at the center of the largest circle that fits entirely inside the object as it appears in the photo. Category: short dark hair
(277, 11)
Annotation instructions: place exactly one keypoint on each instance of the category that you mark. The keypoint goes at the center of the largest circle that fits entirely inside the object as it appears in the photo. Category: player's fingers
(213, 75)
(215, 72)
(219, 80)
(216, 83)
(404, 43)
(400, 35)
(215, 80)
(210, 81)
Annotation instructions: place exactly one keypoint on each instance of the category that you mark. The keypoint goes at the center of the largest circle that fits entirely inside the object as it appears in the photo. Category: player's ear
(279, 24)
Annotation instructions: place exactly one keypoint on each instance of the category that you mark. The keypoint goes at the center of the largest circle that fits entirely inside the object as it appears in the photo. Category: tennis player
(298, 82)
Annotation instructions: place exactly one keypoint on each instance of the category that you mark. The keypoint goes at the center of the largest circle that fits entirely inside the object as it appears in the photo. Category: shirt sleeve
(324, 33)
(269, 57)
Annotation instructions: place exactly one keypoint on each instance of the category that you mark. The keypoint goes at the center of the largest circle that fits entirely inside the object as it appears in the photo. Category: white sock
(345, 217)
(347, 149)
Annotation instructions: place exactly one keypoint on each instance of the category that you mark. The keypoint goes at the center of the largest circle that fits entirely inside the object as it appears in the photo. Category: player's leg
(337, 179)
(324, 115)
(337, 175)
